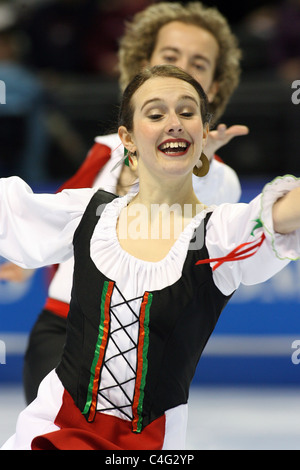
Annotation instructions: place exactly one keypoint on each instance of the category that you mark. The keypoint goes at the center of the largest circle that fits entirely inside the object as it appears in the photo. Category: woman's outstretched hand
(13, 273)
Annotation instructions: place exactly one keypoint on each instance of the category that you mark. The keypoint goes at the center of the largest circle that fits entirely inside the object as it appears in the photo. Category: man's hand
(221, 136)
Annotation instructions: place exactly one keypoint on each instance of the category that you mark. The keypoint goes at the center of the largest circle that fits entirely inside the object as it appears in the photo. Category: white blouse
(37, 230)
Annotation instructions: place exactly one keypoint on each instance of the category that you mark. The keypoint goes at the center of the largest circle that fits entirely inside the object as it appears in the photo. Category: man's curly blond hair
(138, 43)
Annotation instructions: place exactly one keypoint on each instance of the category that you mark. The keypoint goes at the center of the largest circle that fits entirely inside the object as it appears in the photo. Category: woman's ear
(126, 139)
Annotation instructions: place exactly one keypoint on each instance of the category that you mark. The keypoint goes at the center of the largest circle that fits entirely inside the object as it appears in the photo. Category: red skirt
(106, 432)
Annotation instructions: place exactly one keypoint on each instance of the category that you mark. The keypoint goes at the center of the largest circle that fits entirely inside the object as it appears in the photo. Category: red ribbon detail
(236, 254)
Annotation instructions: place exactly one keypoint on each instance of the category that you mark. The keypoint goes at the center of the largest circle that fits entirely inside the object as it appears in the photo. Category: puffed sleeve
(233, 225)
(37, 229)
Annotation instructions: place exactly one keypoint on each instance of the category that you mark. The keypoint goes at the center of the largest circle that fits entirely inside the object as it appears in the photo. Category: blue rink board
(264, 312)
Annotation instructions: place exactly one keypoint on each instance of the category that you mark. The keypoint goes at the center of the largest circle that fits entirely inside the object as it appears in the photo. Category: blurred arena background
(63, 92)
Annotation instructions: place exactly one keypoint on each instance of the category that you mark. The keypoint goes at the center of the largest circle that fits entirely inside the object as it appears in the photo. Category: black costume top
(174, 324)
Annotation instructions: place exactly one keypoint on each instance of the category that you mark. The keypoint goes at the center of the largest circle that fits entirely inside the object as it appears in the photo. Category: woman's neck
(154, 219)
(171, 191)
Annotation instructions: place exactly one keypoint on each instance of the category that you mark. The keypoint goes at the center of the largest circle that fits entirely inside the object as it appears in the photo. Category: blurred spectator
(33, 127)
(255, 32)
(78, 36)
(107, 27)
(23, 133)
(285, 45)
(57, 30)
(270, 39)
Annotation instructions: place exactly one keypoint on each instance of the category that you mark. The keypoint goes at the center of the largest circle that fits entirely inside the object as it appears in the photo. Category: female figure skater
(199, 40)
(147, 291)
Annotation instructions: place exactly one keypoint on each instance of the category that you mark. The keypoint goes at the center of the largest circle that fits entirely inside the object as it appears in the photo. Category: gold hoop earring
(204, 168)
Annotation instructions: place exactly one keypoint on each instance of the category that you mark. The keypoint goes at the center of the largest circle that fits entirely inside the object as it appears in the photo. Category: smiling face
(167, 127)
(191, 48)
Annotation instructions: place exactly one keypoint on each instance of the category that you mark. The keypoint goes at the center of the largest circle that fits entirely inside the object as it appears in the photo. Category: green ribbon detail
(258, 225)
